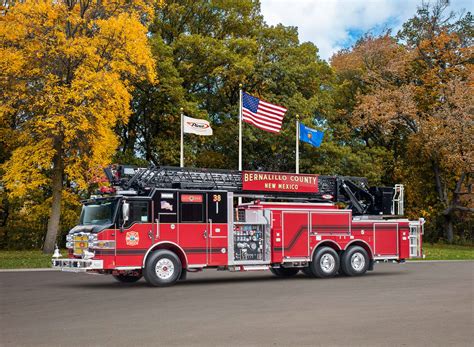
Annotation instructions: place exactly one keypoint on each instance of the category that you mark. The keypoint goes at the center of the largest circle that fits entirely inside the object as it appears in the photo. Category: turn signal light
(103, 244)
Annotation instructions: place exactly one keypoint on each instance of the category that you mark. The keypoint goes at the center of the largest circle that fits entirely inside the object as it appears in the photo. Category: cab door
(193, 227)
(217, 215)
(133, 237)
(166, 226)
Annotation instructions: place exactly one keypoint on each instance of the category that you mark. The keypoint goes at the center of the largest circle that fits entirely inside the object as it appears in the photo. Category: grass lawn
(36, 259)
(25, 259)
(447, 252)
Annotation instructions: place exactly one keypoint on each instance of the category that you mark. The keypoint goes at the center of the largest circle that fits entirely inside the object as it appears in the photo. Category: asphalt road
(408, 304)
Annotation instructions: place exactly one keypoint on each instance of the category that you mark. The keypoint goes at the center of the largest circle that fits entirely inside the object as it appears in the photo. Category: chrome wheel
(327, 263)
(358, 261)
(164, 268)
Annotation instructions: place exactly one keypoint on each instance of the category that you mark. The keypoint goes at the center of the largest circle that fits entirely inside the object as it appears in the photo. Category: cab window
(166, 206)
(139, 212)
(192, 208)
(192, 212)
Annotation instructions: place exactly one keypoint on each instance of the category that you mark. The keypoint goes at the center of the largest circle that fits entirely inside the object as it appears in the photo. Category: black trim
(104, 252)
(143, 251)
(131, 251)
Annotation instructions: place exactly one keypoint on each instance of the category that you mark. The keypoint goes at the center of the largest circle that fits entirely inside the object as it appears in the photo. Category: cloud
(335, 24)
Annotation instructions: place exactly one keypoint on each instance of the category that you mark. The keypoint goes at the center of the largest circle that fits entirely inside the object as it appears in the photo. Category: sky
(335, 24)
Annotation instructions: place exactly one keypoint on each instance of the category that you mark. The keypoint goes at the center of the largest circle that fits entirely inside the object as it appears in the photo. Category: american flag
(262, 114)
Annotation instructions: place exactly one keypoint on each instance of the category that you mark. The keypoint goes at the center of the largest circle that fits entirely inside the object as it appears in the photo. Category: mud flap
(184, 273)
(371, 265)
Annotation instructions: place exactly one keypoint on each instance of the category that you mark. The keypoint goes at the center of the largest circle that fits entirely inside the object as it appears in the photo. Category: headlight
(69, 237)
(103, 244)
(69, 244)
(92, 237)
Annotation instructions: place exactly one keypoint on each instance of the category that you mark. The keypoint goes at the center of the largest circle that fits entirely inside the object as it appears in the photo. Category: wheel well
(327, 243)
(363, 245)
(170, 247)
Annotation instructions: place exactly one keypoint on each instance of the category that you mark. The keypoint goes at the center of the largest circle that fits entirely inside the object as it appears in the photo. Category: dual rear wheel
(327, 262)
(355, 261)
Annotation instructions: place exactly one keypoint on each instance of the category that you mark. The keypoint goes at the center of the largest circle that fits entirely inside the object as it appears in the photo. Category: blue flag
(312, 136)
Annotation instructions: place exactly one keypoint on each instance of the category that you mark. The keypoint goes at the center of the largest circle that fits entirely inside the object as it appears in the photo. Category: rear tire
(162, 268)
(284, 271)
(355, 261)
(127, 278)
(325, 263)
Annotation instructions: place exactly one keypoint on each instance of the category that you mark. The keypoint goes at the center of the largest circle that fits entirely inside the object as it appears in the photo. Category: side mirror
(125, 211)
(125, 214)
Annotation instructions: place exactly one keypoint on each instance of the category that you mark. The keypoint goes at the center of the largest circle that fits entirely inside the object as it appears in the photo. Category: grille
(81, 243)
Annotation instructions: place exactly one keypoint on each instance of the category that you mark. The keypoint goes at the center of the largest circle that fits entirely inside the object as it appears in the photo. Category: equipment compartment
(249, 242)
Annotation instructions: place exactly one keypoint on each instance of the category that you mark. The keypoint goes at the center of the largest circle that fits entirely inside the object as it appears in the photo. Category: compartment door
(295, 230)
(386, 240)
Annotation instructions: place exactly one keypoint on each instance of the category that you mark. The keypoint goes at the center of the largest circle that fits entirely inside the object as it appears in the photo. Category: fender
(322, 243)
(160, 243)
(370, 248)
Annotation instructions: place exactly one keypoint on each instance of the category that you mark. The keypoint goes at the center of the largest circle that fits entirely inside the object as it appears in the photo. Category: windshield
(98, 212)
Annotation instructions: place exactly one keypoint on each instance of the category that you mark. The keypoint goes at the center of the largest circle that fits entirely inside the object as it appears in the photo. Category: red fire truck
(162, 222)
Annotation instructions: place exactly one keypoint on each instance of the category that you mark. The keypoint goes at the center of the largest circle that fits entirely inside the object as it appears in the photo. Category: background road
(407, 304)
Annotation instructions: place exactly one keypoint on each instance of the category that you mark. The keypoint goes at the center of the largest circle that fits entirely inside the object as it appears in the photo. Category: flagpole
(181, 157)
(297, 144)
(240, 127)
(240, 134)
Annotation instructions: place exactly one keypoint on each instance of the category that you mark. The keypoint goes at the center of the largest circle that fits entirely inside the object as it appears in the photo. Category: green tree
(412, 97)
(206, 49)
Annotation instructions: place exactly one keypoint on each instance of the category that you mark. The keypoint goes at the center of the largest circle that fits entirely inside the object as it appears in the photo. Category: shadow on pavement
(218, 281)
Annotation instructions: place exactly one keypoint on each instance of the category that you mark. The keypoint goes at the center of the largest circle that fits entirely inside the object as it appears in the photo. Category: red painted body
(295, 231)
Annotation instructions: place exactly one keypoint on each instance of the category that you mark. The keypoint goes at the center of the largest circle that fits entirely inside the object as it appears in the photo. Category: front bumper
(77, 265)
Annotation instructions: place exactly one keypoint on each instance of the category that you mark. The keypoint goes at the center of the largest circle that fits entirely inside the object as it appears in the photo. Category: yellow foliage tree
(67, 72)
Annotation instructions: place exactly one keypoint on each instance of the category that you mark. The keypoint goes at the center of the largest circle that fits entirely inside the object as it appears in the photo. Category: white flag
(197, 126)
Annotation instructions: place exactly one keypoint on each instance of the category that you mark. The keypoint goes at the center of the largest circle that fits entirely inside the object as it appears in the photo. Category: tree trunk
(448, 227)
(57, 185)
(439, 184)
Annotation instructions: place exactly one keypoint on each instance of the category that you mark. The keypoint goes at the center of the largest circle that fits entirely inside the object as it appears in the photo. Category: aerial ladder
(353, 192)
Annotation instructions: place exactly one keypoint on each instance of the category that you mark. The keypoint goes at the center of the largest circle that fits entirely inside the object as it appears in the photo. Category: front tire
(355, 261)
(163, 268)
(284, 271)
(127, 278)
(325, 263)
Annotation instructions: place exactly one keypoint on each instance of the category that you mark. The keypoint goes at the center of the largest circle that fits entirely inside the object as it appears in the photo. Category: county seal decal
(132, 238)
